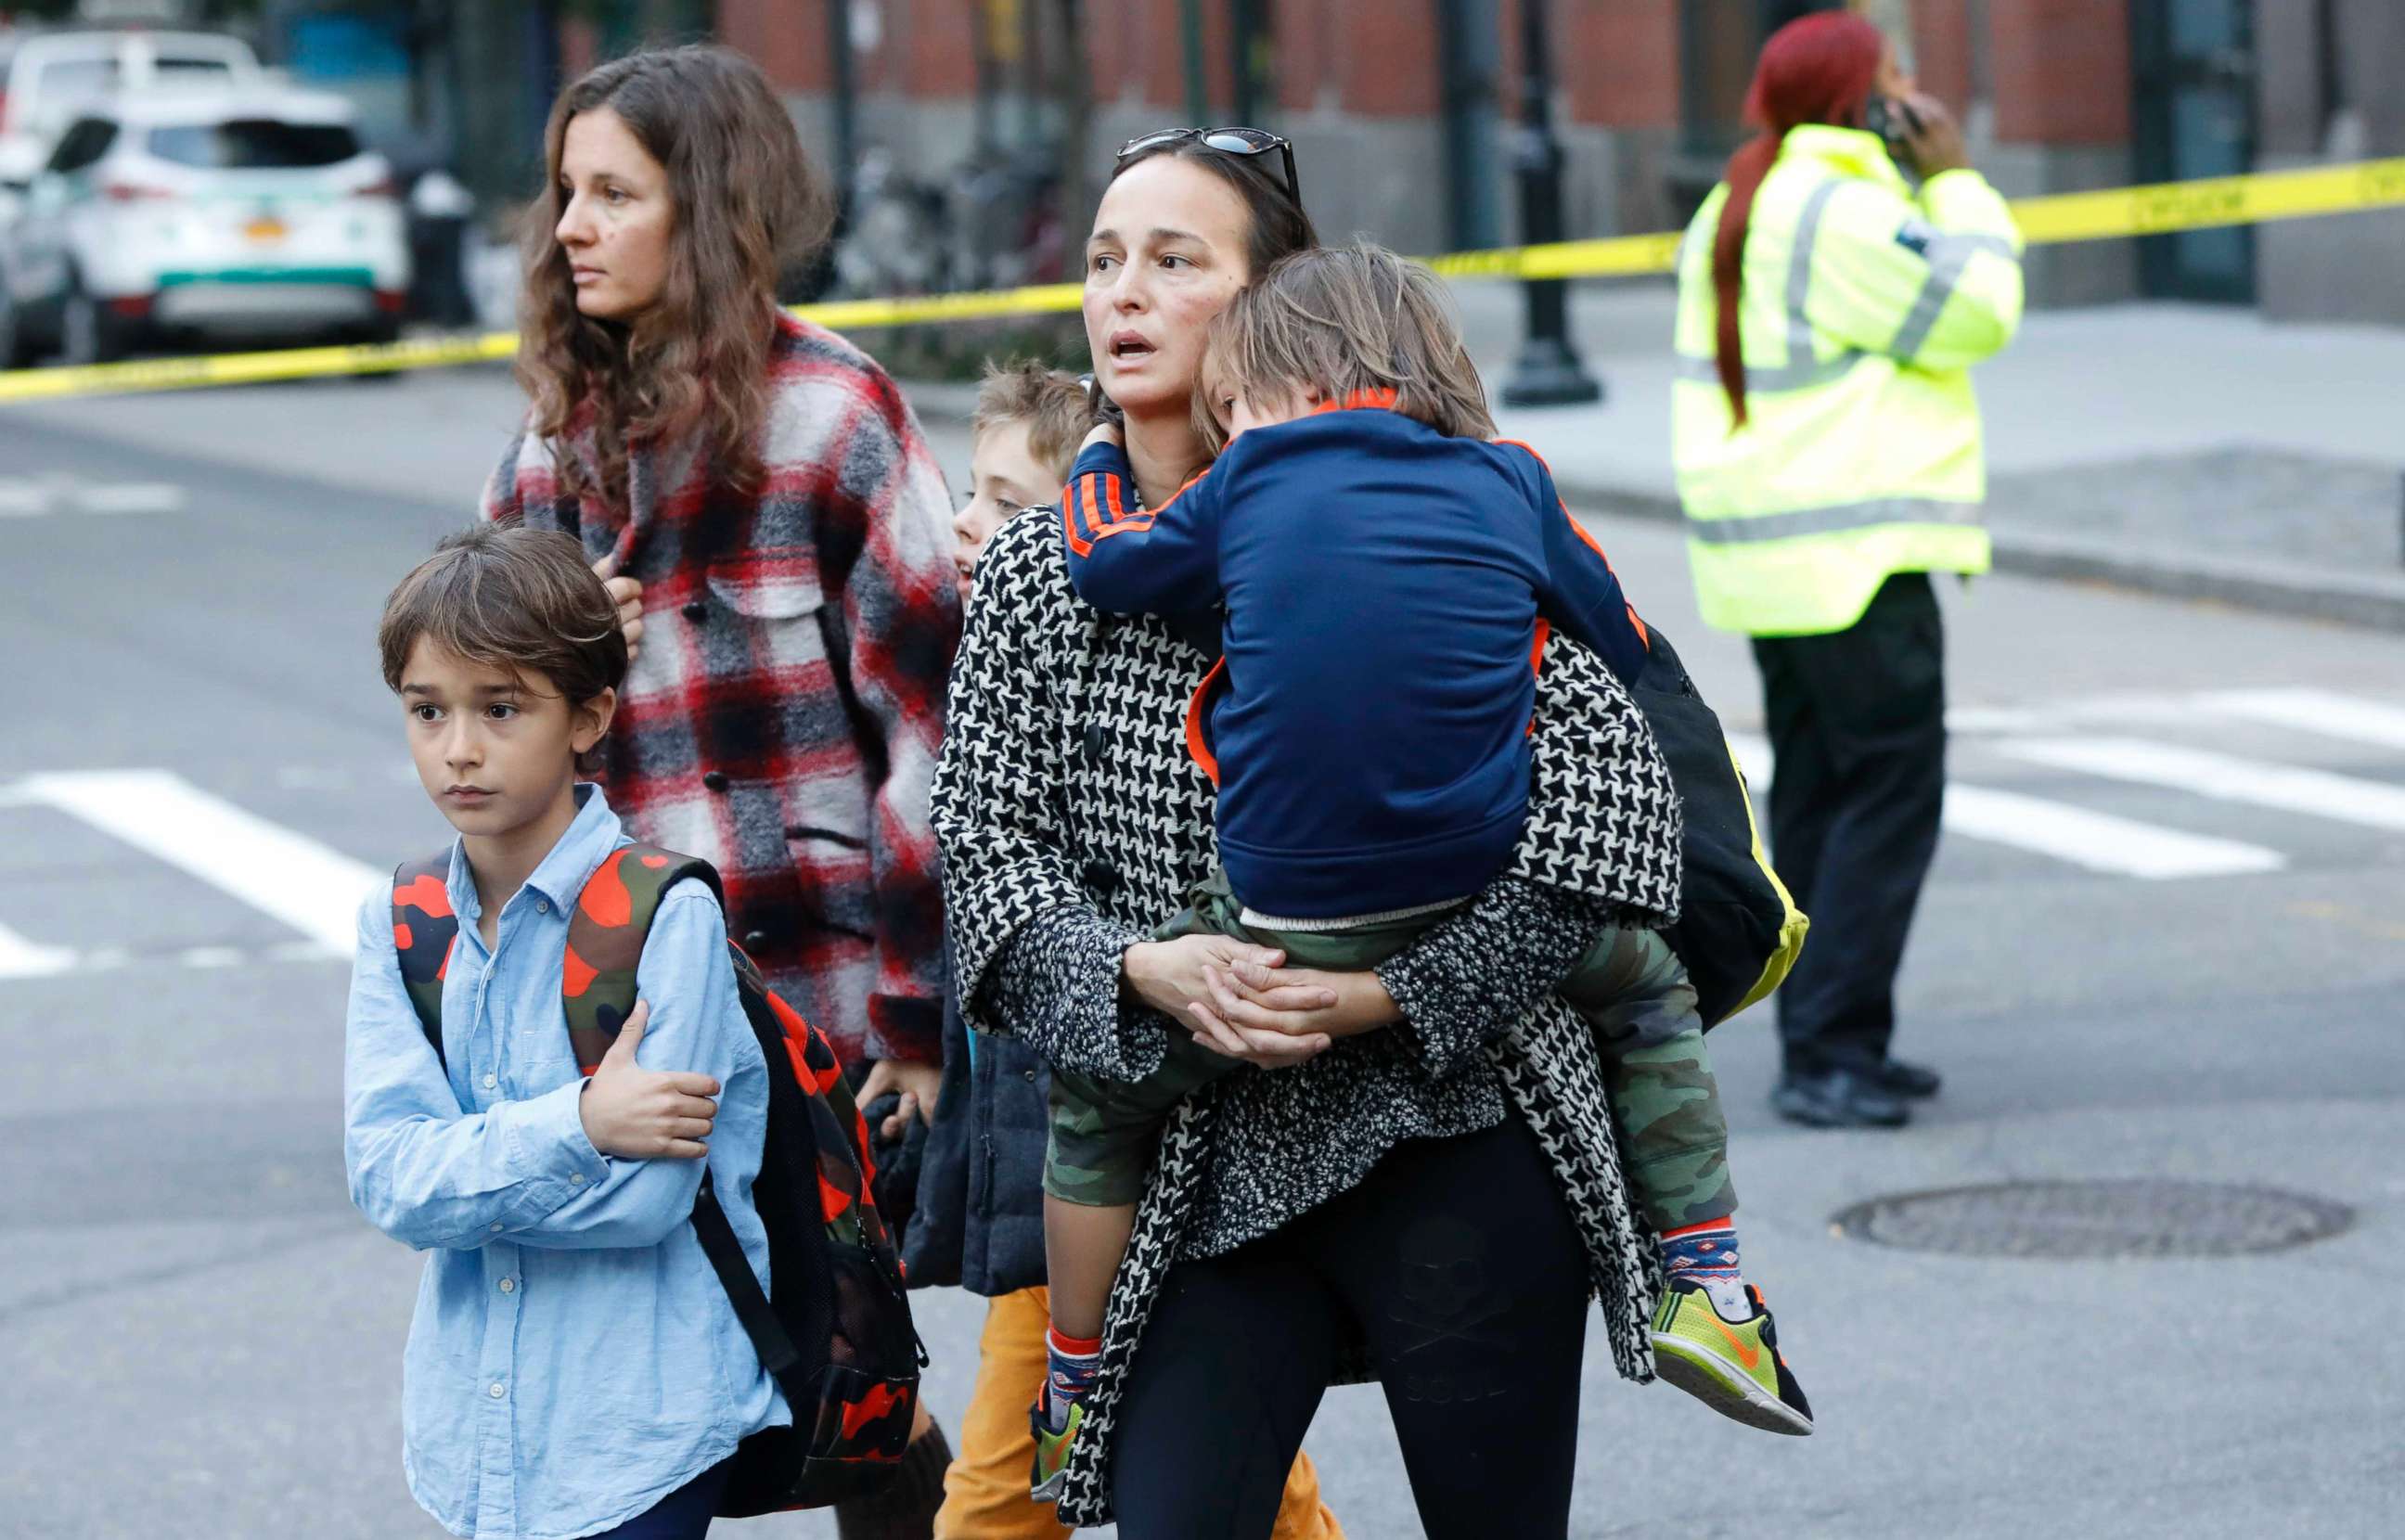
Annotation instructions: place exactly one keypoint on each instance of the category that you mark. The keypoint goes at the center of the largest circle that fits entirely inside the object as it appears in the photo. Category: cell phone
(1893, 120)
(1101, 407)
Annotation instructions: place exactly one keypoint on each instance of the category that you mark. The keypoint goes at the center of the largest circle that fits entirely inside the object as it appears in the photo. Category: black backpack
(835, 1333)
(1738, 930)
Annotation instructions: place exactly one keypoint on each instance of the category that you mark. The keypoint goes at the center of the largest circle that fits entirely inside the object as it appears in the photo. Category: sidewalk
(2187, 450)
(2182, 449)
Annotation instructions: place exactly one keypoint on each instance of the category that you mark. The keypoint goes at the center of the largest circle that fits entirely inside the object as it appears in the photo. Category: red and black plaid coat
(784, 709)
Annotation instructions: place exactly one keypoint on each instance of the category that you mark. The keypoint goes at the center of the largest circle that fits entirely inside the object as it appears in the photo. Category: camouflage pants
(1631, 988)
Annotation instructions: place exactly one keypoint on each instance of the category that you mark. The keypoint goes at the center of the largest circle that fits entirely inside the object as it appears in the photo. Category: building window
(1717, 43)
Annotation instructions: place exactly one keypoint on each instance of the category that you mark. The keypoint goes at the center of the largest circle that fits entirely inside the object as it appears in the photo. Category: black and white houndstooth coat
(1071, 821)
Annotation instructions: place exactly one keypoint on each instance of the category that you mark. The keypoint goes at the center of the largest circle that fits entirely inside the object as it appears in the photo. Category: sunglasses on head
(1242, 141)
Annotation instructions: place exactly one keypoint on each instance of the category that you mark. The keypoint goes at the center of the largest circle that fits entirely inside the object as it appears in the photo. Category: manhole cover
(2143, 1217)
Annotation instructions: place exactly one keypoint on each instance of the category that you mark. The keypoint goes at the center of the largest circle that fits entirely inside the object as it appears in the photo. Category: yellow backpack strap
(1793, 922)
(1738, 930)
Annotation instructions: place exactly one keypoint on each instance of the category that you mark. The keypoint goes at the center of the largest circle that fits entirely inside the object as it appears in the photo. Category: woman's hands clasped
(1241, 1001)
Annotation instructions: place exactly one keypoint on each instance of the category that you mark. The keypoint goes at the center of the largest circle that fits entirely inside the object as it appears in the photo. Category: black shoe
(1839, 1099)
(1912, 1082)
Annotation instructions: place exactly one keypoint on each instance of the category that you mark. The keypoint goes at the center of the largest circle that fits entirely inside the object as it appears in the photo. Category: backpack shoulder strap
(424, 930)
(606, 935)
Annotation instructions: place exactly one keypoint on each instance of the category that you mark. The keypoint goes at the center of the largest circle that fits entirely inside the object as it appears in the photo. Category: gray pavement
(200, 1338)
(2189, 450)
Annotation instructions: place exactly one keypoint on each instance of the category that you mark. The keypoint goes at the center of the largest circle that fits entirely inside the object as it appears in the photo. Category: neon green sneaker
(1051, 1449)
(1733, 1367)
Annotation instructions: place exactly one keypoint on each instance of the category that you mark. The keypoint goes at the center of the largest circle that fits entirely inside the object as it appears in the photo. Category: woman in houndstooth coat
(1308, 1191)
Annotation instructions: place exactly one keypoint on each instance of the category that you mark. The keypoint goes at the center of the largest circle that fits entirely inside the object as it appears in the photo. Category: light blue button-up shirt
(573, 1358)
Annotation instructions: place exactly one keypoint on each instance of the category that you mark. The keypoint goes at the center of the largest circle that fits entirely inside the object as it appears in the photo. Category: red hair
(1819, 69)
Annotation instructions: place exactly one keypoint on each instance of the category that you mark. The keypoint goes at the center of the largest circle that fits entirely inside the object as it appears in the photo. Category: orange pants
(985, 1490)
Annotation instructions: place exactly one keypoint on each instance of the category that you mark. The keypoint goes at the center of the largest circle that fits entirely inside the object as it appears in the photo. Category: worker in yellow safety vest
(1828, 455)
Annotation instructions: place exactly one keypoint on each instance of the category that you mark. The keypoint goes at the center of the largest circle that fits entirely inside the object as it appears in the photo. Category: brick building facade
(1402, 110)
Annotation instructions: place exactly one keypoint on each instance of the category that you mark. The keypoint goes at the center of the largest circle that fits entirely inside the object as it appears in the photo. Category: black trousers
(683, 1514)
(1858, 723)
(1455, 1260)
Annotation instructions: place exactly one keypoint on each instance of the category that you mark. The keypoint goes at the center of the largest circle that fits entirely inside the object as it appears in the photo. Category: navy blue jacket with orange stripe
(1384, 589)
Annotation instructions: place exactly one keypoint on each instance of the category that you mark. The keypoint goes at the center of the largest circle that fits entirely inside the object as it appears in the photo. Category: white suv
(252, 210)
(48, 77)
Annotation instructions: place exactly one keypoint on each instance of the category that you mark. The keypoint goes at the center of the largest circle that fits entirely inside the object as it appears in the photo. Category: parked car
(48, 77)
(183, 213)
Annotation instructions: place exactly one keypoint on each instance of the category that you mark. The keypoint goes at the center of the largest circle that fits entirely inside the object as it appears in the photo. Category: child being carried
(1387, 574)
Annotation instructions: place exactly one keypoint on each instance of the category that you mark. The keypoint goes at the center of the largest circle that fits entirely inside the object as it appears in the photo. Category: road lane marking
(289, 877)
(2224, 777)
(2320, 711)
(2099, 842)
(2327, 713)
(34, 497)
(65, 962)
(23, 958)
(131, 497)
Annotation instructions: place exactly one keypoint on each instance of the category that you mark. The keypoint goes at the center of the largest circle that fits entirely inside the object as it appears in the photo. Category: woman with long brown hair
(780, 538)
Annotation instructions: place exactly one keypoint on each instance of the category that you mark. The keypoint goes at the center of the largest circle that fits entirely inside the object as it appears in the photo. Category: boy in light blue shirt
(573, 1366)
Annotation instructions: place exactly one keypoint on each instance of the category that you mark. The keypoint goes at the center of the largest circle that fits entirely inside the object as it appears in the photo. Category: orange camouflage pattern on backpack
(853, 1415)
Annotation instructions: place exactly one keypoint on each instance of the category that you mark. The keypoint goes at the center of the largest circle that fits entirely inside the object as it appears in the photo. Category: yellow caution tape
(225, 369)
(2113, 214)
(2256, 199)
(980, 306)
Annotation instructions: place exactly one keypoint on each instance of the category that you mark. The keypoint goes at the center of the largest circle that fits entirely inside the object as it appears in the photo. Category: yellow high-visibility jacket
(1863, 308)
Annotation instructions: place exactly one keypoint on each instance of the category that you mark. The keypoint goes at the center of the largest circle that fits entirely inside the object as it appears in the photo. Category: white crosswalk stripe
(57, 961)
(2226, 777)
(314, 889)
(23, 958)
(2049, 734)
(2099, 842)
(34, 497)
(2319, 711)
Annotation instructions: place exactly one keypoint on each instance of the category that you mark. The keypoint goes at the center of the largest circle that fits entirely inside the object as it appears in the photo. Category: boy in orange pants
(1024, 435)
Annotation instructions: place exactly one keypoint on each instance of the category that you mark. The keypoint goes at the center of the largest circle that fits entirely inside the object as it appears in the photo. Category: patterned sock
(1705, 1254)
(1071, 1365)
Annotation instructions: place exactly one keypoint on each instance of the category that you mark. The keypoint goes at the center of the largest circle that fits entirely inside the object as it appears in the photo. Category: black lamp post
(1547, 373)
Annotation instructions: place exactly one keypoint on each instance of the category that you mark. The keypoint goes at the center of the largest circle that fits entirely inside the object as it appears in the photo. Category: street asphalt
(2165, 938)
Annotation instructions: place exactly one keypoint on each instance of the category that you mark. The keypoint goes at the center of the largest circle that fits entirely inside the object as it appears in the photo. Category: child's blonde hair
(1050, 402)
(1335, 322)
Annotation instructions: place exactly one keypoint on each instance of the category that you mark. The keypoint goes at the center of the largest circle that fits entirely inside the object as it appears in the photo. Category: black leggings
(683, 1514)
(1457, 1263)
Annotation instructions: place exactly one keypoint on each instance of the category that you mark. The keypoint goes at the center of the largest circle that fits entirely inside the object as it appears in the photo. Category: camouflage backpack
(837, 1333)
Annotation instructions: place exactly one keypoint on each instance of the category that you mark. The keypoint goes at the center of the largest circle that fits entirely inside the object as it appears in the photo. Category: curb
(2375, 602)
(2274, 587)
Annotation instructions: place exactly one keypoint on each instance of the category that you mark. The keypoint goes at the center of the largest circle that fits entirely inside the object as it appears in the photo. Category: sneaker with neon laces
(1052, 1446)
(1732, 1366)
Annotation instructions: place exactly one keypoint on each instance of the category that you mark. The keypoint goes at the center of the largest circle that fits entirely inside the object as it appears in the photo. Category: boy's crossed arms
(610, 1159)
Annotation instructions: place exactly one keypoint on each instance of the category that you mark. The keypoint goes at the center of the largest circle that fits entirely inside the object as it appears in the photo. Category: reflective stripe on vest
(1830, 520)
(1802, 371)
(1948, 255)
(1773, 377)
